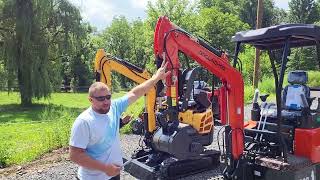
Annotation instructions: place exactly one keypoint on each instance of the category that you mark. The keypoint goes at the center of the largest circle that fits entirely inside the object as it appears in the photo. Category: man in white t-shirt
(94, 141)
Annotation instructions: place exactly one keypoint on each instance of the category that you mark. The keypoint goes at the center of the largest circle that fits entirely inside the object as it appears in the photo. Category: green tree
(3, 72)
(303, 59)
(138, 43)
(247, 58)
(25, 49)
(181, 12)
(78, 60)
(303, 11)
(226, 6)
(280, 16)
(215, 27)
(117, 38)
(248, 12)
(37, 35)
(245, 9)
(306, 12)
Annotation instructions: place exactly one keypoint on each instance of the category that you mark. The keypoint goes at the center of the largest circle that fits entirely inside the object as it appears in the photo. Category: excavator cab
(282, 137)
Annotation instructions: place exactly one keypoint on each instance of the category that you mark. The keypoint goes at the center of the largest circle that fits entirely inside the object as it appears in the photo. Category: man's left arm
(143, 88)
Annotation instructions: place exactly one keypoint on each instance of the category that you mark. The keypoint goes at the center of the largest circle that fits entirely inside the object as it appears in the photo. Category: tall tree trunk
(24, 22)
(25, 93)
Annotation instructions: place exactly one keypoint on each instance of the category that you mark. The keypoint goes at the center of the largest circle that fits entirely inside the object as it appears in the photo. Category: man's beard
(103, 110)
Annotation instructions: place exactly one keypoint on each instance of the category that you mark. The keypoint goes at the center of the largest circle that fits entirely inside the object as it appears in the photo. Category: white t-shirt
(98, 134)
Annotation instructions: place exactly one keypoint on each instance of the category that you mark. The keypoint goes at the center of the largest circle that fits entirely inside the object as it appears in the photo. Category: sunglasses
(102, 98)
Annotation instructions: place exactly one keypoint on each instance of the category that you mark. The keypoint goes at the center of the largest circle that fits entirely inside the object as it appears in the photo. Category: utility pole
(257, 59)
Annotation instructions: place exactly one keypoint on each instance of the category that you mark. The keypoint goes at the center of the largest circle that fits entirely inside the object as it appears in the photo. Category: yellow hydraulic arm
(105, 63)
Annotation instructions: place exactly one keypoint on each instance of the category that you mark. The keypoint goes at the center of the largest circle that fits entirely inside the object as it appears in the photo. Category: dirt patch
(38, 165)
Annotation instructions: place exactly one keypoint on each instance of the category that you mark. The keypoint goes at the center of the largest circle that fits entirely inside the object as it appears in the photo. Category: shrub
(314, 78)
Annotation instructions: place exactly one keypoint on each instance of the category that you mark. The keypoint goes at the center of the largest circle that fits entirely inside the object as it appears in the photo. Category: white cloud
(98, 12)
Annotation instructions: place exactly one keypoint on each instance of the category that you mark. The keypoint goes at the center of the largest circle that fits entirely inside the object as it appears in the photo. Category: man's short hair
(97, 86)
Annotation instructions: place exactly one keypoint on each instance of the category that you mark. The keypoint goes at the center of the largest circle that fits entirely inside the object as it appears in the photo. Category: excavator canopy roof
(274, 37)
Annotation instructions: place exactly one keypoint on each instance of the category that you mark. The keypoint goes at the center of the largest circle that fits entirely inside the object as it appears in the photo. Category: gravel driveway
(57, 166)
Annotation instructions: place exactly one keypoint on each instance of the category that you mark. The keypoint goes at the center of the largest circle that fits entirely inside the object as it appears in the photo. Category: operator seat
(200, 94)
(296, 103)
(296, 95)
(186, 85)
(193, 93)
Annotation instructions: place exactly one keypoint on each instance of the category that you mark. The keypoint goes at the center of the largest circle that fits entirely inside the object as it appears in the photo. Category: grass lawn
(26, 133)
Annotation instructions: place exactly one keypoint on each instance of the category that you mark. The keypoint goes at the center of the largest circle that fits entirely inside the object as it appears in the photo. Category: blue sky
(282, 4)
(100, 13)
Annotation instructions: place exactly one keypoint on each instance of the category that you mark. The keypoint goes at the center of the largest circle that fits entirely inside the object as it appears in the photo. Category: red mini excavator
(184, 113)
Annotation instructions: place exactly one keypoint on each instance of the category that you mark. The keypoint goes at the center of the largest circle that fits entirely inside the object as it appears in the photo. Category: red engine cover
(307, 144)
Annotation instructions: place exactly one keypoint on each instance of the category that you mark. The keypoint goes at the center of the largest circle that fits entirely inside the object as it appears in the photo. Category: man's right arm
(79, 156)
(79, 140)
